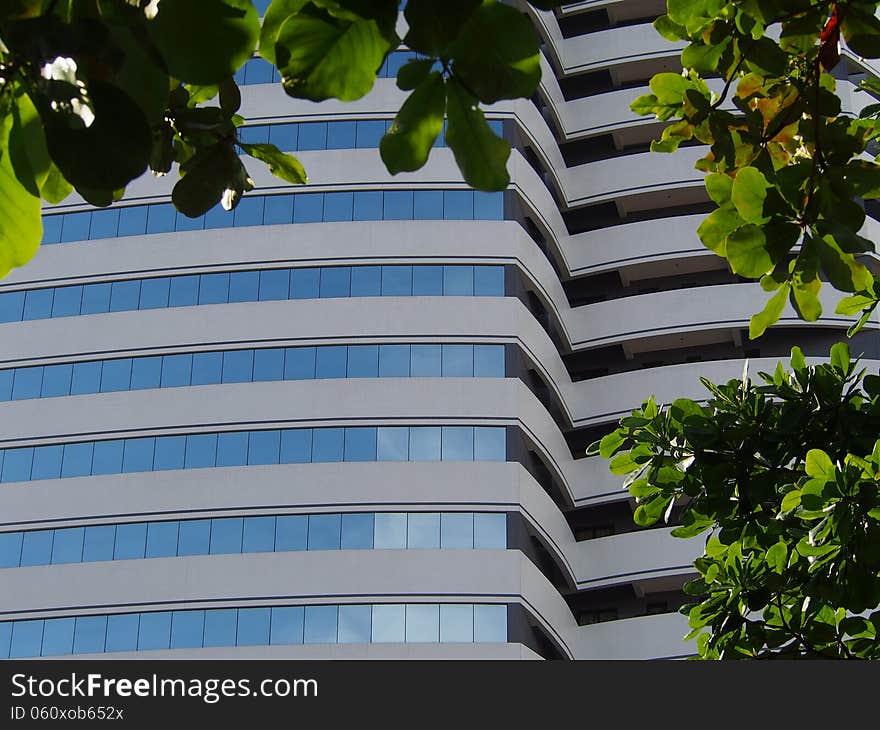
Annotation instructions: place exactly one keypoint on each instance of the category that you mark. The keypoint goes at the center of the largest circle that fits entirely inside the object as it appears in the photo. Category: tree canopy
(786, 164)
(785, 476)
(93, 93)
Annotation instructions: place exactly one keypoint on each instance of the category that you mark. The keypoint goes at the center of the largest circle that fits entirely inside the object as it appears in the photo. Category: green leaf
(419, 122)
(776, 557)
(623, 463)
(819, 464)
(798, 362)
(767, 58)
(230, 96)
(481, 156)
(28, 152)
(282, 165)
(21, 227)
(864, 177)
(496, 54)
(861, 30)
(670, 30)
(611, 443)
(790, 501)
(704, 57)
(111, 152)
(139, 76)
(274, 17)
(770, 314)
(717, 226)
(434, 25)
(669, 88)
(747, 252)
(413, 73)
(849, 306)
(748, 194)
(206, 178)
(719, 186)
(207, 41)
(842, 270)
(322, 57)
(840, 357)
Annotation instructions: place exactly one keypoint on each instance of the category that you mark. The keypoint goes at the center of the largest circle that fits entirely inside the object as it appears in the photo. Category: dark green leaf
(413, 73)
(417, 125)
(282, 165)
(434, 25)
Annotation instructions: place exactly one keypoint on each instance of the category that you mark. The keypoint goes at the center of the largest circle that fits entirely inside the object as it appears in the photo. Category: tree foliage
(95, 92)
(785, 165)
(785, 476)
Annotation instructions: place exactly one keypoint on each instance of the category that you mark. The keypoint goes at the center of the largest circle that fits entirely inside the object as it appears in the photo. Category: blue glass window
(269, 364)
(67, 546)
(488, 206)
(27, 383)
(393, 361)
(357, 532)
(456, 530)
(58, 636)
(398, 205)
(426, 361)
(217, 217)
(131, 540)
(287, 625)
(86, 377)
(76, 227)
(309, 207)
(340, 135)
(122, 631)
(27, 637)
(10, 551)
(489, 361)
(363, 361)
(423, 622)
(11, 306)
(36, 548)
(489, 281)
(324, 532)
(360, 444)
(424, 443)
(207, 368)
(185, 223)
(338, 206)
(184, 291)
(253, 627)
(67, 301)
(263, 447)
(238, 366)
(160, 218)
(249, 212)
(201, 450)
(214, 288)
(146, 372)
(458, 205)
(336, 281)
(226, 534)
(490, 623)
(427, 281)
(187, 629)
(169, 453)
(132, 221)
(389, 623)
(154, 293)
(285, 137)
(392, 443)
(51, 234)
(458, 443)
(390, 530)
(17, 464)
(490, 443)
(428, 205)
(397, 281)
(220, 626)
(330, 361)
(296, 446)
(138, 455)
(367, 205)
(299, 363)
(107, 457)
(458, 281)
(490, 531)
(423, 530)
(366, 281)
(370, 132)
(279, 208)
(98, 543)
(274, 284)
(95, 298)
(116, 375)
(313, 135)
(194, 537)
(258, 535)
(327, 445)
(304, 283)
(124, 295)
(162, 539)
(456, 622)
(155, 630)
(320, 624)
(47, 462)
(244, 286)
(355, 624)
(458, 361)
(232, 448)
(38, 304)
(291, 533)
(92, 635)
